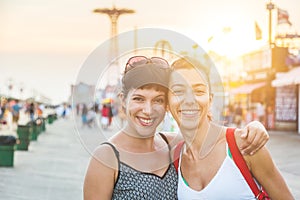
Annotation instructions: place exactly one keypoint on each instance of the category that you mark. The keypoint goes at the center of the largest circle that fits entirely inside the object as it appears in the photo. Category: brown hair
(190, 63)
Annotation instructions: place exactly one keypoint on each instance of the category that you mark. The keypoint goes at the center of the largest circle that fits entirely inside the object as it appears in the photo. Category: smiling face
(145, 109)
(189, 98)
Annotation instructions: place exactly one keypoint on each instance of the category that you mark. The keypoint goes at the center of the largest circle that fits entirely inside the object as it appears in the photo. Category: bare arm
(251, 138)
(268, 175)
(101, 174)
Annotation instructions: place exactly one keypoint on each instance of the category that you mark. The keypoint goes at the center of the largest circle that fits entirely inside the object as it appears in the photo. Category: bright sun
(233, 42)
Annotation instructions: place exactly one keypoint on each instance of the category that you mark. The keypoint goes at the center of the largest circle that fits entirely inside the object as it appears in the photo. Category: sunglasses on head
(136, 61)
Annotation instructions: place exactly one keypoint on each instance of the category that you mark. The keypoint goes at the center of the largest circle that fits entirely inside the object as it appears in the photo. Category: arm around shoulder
(101, 174)
(251, 138)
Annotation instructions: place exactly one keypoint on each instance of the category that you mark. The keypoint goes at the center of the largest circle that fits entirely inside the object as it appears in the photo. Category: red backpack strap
(241, 163)
(177, 154)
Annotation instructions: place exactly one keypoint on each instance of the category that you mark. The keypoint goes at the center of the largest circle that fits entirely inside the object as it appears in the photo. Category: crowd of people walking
(238, 114)
(104, 112)
(14, 110)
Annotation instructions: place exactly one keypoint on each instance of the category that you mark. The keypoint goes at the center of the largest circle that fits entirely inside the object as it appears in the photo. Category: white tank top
(228, 183)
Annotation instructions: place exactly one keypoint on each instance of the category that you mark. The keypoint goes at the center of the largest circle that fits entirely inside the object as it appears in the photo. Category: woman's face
(189, 98)
(145, 109)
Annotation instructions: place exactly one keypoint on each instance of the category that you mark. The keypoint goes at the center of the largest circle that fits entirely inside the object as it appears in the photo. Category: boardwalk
(54, 166)
(52, 169)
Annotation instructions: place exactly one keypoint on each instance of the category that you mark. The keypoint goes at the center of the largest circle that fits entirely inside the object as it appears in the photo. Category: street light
(114, 14)
(270, 7)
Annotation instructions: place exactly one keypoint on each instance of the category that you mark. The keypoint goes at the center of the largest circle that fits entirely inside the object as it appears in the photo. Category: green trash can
(24, 135)
(7, 150)
(38, 122)
(43, 124)
(34, 131)
(50, 119)
(55, 117)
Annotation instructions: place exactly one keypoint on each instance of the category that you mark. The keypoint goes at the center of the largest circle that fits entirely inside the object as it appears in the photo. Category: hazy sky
(44, 43)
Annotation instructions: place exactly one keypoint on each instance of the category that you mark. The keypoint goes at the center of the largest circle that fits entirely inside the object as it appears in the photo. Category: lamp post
(270, 7)
(10, 86)
(114, 14)
(21, 90)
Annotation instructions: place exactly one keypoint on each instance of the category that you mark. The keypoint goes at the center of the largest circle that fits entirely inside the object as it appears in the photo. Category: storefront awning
(247, 88)
(291, 77)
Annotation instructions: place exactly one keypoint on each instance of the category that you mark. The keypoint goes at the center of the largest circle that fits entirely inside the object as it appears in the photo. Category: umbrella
(107, 100)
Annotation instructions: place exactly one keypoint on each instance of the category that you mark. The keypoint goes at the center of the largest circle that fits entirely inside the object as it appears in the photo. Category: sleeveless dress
(137, 185)
(227, 184)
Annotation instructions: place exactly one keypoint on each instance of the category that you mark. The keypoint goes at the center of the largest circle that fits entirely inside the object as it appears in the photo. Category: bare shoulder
(173, 138)
(106, 155)
(101, 174)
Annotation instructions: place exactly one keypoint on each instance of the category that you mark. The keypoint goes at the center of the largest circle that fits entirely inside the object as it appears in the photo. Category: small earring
(209, 115)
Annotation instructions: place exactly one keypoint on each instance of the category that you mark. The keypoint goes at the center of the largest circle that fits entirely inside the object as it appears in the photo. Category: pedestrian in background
(3, 112)
(238, 115)
(31, 111)
(110, 113)
(91, 117)
(105, 116)
(84, 112)
(270, 117)
(260, 112)
(16, 113)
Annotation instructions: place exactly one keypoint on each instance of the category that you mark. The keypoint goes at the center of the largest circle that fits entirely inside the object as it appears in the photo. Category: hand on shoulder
(251, 138)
